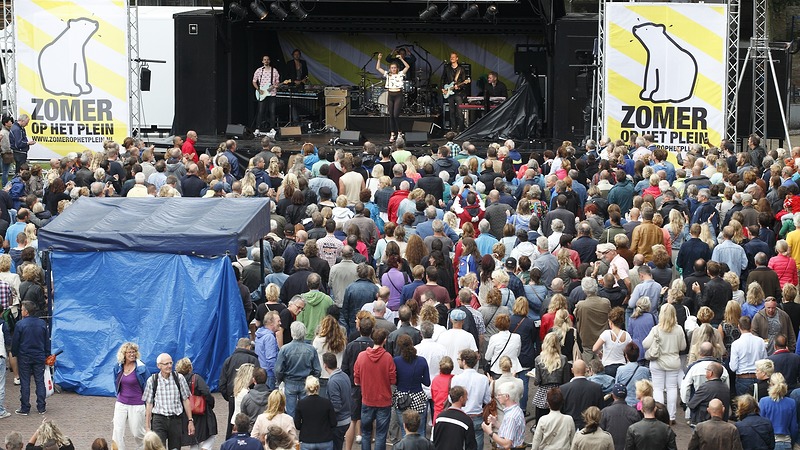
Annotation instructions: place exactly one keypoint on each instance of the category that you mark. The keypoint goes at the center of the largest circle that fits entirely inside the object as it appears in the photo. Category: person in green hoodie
(317, 303)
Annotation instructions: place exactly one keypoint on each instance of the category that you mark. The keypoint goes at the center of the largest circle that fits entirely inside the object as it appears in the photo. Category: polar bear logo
(62, 63)
(671, 71)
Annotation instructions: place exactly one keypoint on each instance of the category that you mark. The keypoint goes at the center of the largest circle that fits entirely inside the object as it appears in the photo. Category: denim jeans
(477, 421)
(783, 445)
(316, 445)
(523, 401)
(381, 416)
(2, 385)
(422, 422)
(271, 382)
(744, 385)
(31, 367)
(295, 391)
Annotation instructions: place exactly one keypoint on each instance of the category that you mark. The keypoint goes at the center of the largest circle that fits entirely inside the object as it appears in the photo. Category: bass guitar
(449, 88)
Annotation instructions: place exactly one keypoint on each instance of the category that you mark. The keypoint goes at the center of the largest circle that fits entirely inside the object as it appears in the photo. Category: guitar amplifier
(337, 107)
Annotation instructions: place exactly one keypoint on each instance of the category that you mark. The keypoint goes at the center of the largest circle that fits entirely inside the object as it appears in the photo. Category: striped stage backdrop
(335, 59)
(72, 73)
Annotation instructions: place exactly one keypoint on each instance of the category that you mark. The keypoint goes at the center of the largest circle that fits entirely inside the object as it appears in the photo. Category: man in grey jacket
(340, 395)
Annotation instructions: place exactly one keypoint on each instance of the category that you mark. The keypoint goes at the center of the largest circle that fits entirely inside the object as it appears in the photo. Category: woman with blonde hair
(764, 370)
(755, 300)
(784, 264)
(705, 333)
(735, 282)
(706, 235)
(493, 308)
(551, 370)
(668, 340)
(566, 268)
(781, 412)
(374, 181)
(678, 232)
(641, 322)
(274, 415)
(241, 386)
(130, 377)
(315, 418)
(570, 339)
(557, 302)
(503, 343)
(205, 425)
(592, 437)
(729, 327)
(152, 441)
(49, 436)
(644, 388)
(329, 338)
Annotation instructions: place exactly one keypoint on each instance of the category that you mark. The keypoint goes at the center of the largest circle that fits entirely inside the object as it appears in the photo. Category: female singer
(394, 84)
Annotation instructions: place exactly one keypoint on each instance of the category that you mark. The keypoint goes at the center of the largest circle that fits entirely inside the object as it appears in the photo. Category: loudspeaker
(350, 137)
(235, 129)
(144, 79)
(200, 101)
(286, 132)
(416, 138)
(572, 77)
(782, 59)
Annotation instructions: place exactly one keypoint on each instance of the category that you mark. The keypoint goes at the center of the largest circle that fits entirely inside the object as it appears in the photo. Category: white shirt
(389, 315)
(494, 350)
(394, 80)
(696, 376)
(454, 340)
(526, 249)
(478, 387)
(433, 352)
(745, 351)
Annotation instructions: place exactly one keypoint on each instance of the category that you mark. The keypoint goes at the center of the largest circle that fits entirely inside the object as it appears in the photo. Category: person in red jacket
(394, 201)
(375, 372)
(472, 212)
(188, 145)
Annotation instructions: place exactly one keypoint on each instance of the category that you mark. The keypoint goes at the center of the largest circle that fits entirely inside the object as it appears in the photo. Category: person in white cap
(456, 338)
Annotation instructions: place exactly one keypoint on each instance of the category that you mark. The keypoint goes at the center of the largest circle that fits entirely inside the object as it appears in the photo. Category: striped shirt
(513, 425)
(168, 401)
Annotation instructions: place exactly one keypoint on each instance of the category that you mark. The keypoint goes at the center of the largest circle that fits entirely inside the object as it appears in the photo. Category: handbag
(196, 402)
(654, 352)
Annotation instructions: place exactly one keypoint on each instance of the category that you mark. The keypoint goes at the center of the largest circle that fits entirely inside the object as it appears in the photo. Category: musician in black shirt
(297, 70)
(454, 73)
(494, 87)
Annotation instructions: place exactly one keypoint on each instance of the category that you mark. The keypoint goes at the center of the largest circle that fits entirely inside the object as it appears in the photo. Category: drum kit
(419, 97)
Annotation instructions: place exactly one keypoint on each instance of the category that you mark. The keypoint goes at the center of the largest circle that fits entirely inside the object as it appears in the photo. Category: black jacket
(710, 390)
(580, 394)
(228, 374)
(756, 432)
(431, 184)
(650, 434)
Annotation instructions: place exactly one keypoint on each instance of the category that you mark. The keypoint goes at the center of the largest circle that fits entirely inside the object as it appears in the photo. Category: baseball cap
(619, 390)
(511, 263)
(603, 248)
(457, 315)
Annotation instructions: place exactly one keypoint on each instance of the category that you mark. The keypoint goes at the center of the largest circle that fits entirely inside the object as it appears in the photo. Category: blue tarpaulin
(129, 275)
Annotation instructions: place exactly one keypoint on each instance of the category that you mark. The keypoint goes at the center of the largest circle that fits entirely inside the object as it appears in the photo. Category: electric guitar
(449, 88)
(267, 91)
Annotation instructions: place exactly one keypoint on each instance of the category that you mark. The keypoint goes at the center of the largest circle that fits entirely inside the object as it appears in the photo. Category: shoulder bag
(196, 402)
(654, 352)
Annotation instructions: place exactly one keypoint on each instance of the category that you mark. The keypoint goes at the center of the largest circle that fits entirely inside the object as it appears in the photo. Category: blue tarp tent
(151, 271)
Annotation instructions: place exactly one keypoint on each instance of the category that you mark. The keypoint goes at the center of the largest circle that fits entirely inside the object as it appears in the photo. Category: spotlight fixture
(450, 12)
(278, 11)
(298, 10)
(470, 12)
(258, 9)
(236, 12)
(491, 12)
(429, 12)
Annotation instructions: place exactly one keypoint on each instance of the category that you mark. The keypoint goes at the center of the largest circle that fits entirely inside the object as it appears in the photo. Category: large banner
(72, 73)
(665, 72)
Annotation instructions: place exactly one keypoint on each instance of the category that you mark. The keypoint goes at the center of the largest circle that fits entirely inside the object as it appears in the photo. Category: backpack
(464, 266)
(11, 317)
(177, 384)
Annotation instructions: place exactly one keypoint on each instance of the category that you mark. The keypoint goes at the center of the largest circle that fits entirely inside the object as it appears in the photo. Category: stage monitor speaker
(290, 132)
(350, 137)
(782, 58)
(572, 70)
(144, 79)
(235, 130)
(424, 127)
(416, 138)
(200, 101)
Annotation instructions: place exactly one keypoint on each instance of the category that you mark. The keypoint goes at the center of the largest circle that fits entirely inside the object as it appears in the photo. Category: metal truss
(7, 60)
(134, 67)
(732, 68)
(599, 74)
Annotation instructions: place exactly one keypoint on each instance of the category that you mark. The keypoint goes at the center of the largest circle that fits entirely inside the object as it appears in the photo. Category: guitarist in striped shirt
(266, 80)
(454, 74)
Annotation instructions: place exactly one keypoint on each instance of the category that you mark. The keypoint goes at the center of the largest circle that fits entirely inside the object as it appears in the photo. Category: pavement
(85, 418)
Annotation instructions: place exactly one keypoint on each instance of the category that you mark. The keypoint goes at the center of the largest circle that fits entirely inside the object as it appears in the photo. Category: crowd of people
(445, 300)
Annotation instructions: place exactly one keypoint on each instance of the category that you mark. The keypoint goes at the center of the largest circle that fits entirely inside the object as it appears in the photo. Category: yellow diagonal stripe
(685, 28)
(107, 34)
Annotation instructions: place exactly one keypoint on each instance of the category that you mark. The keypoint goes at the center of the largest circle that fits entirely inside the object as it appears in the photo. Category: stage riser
(378, 126)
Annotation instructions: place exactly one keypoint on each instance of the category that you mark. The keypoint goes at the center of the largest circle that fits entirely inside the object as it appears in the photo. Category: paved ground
(84, 418)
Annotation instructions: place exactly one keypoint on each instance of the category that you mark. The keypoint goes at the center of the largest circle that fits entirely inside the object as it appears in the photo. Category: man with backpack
(166, 398)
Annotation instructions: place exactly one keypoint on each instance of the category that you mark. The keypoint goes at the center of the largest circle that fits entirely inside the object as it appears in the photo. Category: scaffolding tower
(7, 60)
(134, 70)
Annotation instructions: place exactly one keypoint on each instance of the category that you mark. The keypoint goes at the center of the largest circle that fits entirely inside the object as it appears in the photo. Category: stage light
(429, 12)
(450, 12)
(236, 13)
(298, 10)
(491, 12)
(277, 11)
(258, 9)
(470, 12)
